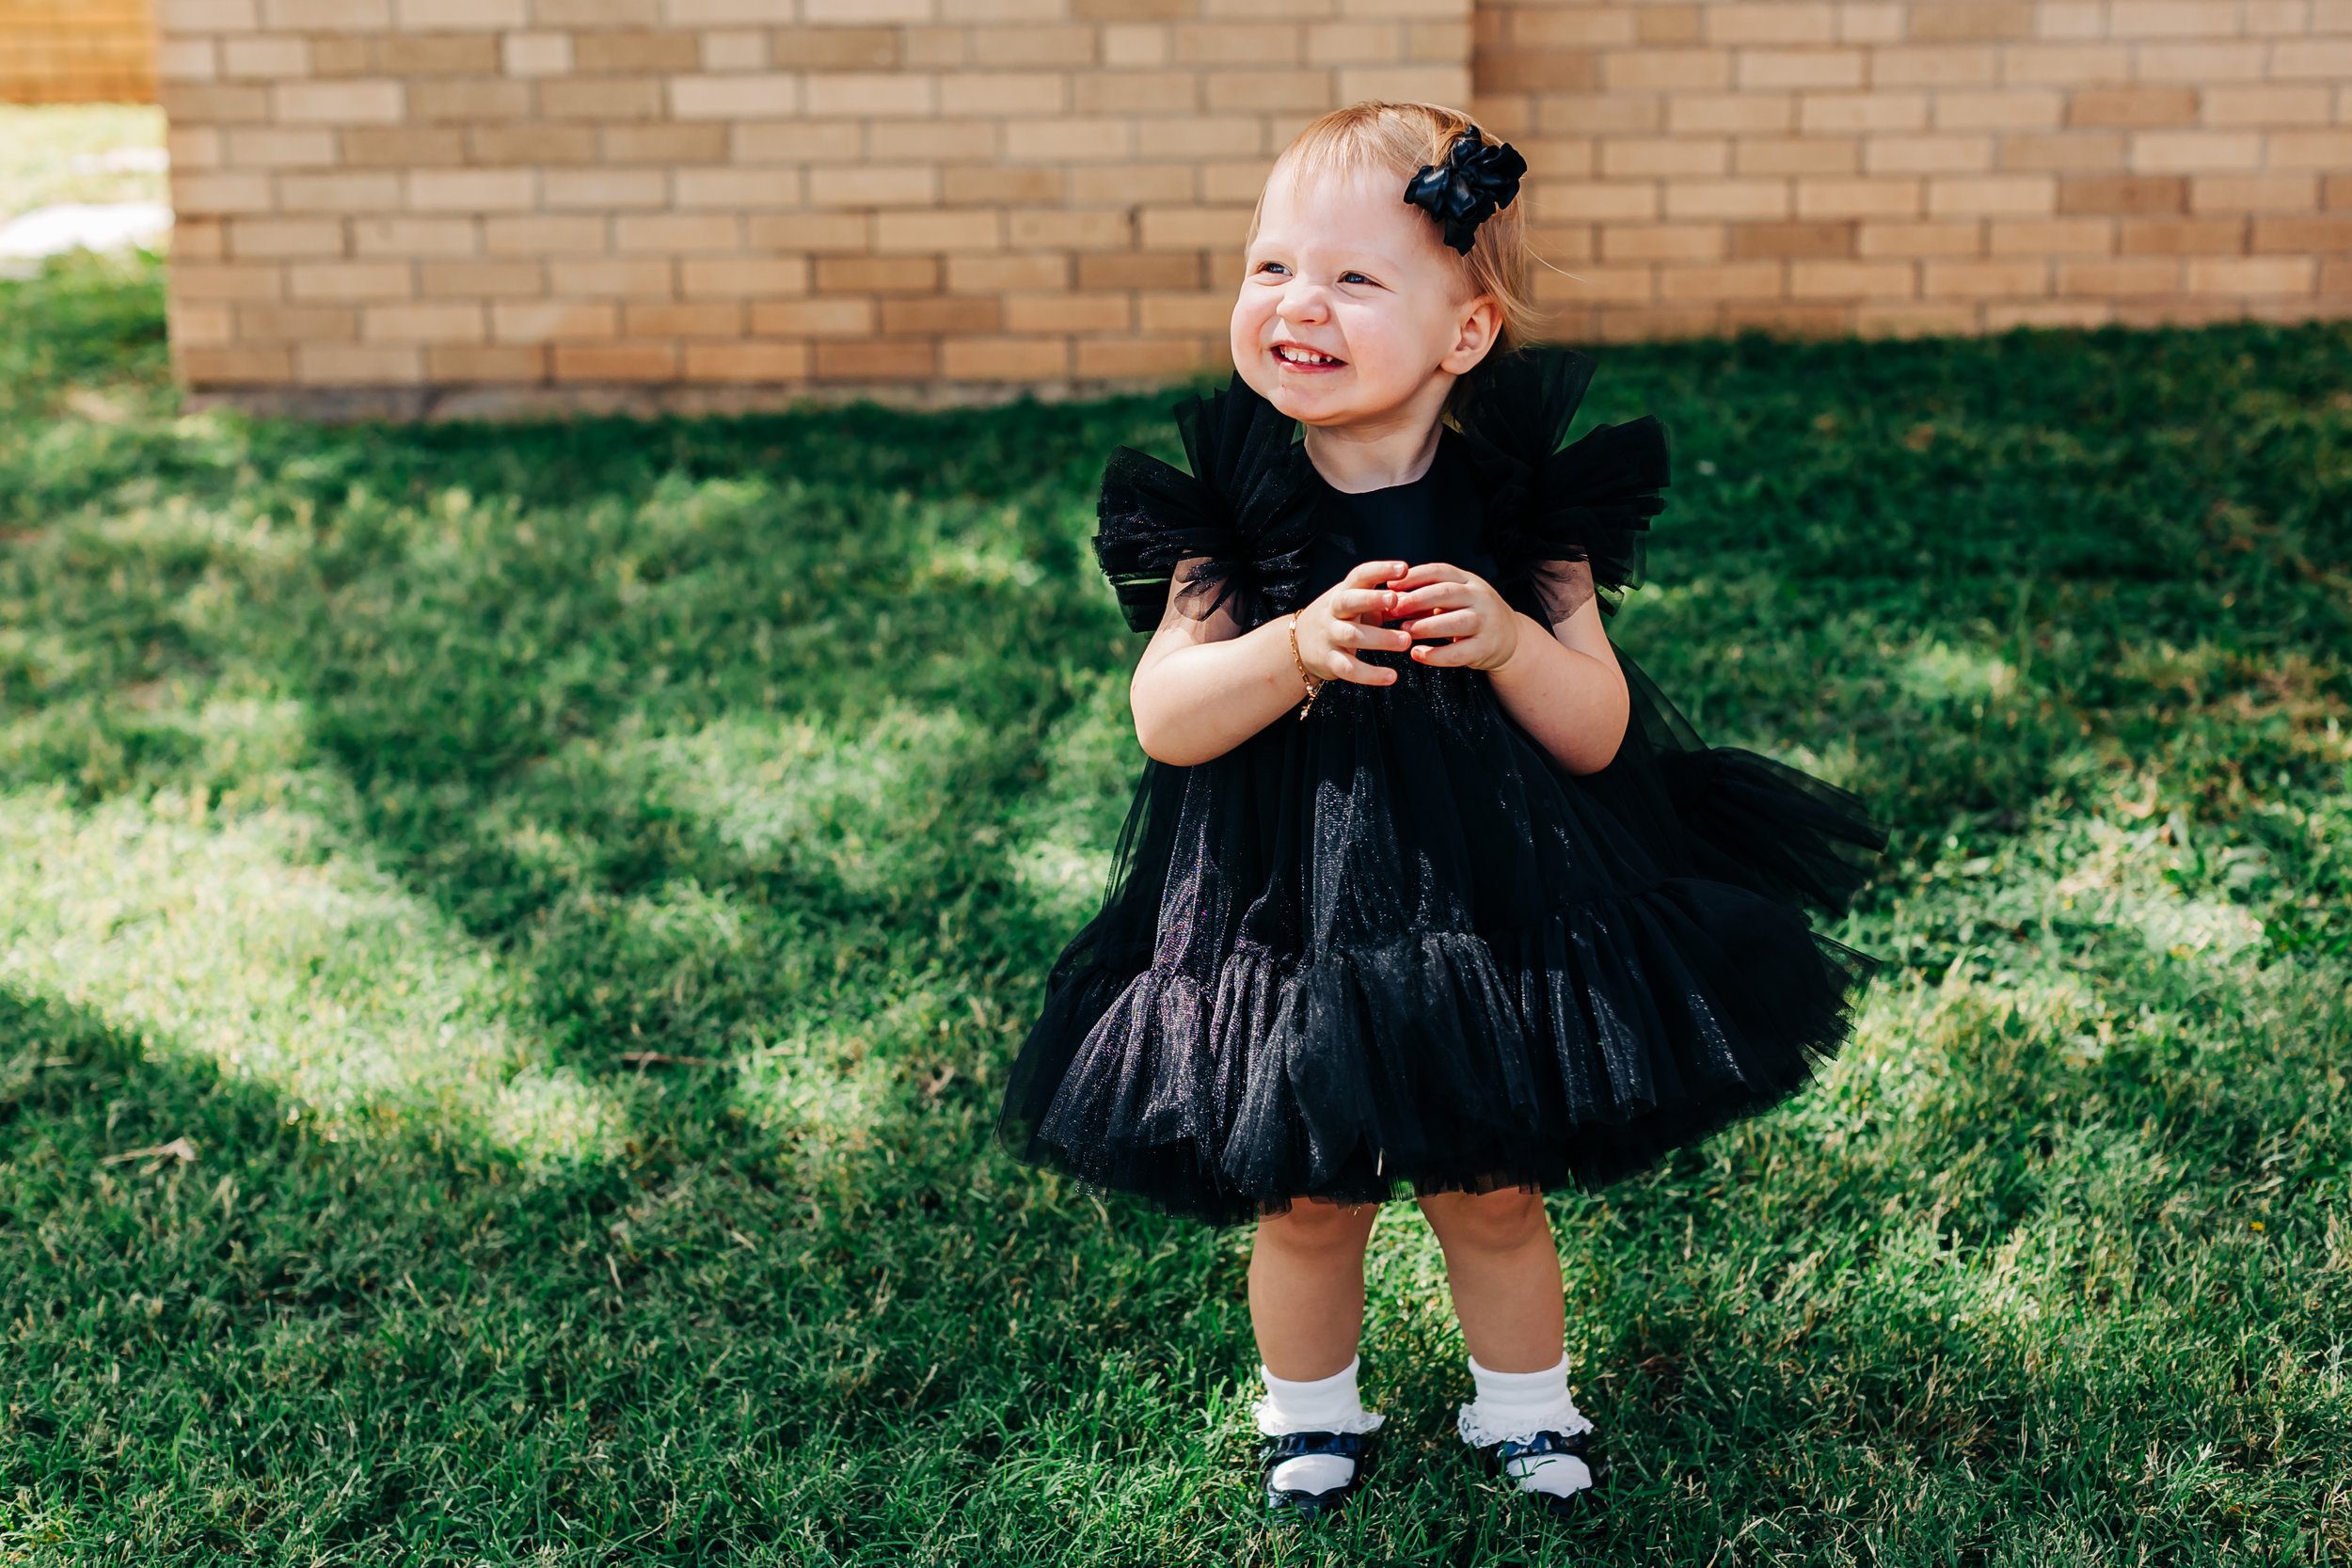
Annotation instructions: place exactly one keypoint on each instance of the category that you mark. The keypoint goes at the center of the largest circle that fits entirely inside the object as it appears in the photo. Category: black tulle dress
(1394, 947)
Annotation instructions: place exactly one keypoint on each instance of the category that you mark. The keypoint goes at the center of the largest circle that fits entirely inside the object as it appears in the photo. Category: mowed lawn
(511, 938)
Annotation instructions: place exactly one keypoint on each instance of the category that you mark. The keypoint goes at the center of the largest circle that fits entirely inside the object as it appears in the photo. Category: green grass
(575, 889)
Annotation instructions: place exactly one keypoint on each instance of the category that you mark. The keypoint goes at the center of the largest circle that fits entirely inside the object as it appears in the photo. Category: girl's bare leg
(1307, 1288)
(1503, 1270)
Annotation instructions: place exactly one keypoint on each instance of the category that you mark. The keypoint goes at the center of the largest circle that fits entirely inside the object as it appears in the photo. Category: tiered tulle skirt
(1396, 948)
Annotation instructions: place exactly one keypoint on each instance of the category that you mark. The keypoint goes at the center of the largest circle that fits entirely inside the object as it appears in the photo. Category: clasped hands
(1435, 600)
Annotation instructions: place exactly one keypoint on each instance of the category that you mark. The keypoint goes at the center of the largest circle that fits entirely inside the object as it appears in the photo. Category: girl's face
(1351, 307)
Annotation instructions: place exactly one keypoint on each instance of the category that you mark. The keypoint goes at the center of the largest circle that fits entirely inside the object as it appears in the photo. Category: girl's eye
(1356, 277)
(1268, 266)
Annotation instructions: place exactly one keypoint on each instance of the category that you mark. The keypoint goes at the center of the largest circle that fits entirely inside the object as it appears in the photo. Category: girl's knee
(1317, 1225)
(1489, 1222)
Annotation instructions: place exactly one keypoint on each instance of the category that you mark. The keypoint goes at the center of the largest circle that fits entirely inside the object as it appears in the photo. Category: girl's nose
(1304, 303)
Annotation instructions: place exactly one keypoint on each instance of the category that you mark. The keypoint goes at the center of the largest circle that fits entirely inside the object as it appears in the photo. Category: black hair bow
(1469, 187)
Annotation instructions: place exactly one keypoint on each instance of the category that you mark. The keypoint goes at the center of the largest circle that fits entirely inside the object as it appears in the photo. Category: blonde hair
(1400, 138)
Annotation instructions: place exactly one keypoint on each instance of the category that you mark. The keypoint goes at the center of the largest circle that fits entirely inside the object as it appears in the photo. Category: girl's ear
(1480, 324)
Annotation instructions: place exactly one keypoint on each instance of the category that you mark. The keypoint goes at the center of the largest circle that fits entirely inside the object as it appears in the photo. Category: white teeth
(1305, 357)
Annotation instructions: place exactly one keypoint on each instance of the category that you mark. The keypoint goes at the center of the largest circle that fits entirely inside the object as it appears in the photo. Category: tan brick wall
(77, 52)
(1939, 165)
(711, 202)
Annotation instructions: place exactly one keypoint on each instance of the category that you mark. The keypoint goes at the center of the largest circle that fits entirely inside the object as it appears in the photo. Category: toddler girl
(1424, 888)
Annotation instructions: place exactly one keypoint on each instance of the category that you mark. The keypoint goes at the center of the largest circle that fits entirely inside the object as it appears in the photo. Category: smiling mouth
(1306, 358)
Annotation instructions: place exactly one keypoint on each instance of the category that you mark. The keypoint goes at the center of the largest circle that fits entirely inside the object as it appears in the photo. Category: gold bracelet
(1313, 685)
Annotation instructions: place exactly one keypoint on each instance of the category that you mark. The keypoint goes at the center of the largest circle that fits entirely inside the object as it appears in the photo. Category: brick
(208, 195)
(1911, 319)
(450, 323)
(2066, 65)
(299, 323)
(874, 186)
(553, 320)
(532, 144)
(798, 142)
(1732, 199)
(2181, 236)
(1947, 237)
(1820, 279)
(605, 189)
(338, 195)
(2007, 110)
(471, 190)
(742, 277)
(1666, 71)
(1769, 156)
(2252, 275)
(639, 51)
(349, 281)
(401, 146)
(2101, 278)
(1691, 242)
(394, 238)
(621, 359)
(941, 316)
(2194, 151)
(449, 364)
(2271, 103)
(327, 16)
(1807, 241)
(2325, 150)
(1125, 358)
(2143, 19)
(2071, 237)
(882, 360)
(772, 95)
(1788, 318)
(747, 362)
(544, 235)
(468, 100)
(1637, 158)
(271, 58)
(678, 233)
(1984, 280)
(2330, 234)
(2062, 152)
(632, 278)
(1848, 113)
(537, 54)
(1819, 69)
(808, 233)
(605, 98)
(946, 229)
(1004, 358)
(280, 239)
(819, 317)
(2003, 315)
(279, 149)
(2123, 193)
(205, 368)
(2328, 59)
(2287, 192)
(662, 144)
(358, 365)
(1072, 313)
(670, 319)
(2132, 108)
(1934, 154)
(360, 102)
(1950, 21)
(1991, 195)
(214, 103)
(1943, 65)
(1752, 22)
(1727, 114)
(412, 56)
(1858, 198)
(1138, 270)
(1725, 280)
(2203, 63)
(459, 16)
(480, 280)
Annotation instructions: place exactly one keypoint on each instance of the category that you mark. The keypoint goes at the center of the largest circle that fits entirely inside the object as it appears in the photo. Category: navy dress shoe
(1574, 1505)
(1289, 1502)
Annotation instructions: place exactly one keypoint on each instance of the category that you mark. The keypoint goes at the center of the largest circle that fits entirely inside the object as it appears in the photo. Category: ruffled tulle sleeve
(1243, 511)
(1551, 507)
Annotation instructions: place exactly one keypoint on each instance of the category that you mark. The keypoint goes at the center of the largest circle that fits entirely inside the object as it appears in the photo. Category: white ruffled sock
(1315, 1404)
(1517, 1405)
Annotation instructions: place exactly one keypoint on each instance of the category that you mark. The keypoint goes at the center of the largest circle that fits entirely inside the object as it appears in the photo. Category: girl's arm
(1204, 685)
(1563, 685)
